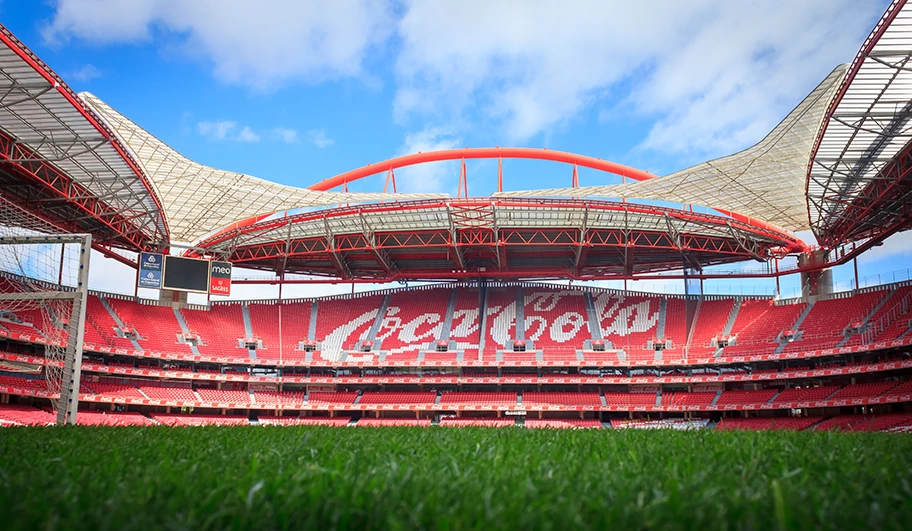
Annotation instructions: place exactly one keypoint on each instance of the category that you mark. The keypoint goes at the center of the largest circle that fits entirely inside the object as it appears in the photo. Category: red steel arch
(497, 153)
(482, 153)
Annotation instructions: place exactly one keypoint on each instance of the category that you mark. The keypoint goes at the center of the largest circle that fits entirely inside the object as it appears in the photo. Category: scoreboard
(177, 273)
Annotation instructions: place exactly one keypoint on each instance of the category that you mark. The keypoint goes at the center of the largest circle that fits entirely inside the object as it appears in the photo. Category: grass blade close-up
(407, 478)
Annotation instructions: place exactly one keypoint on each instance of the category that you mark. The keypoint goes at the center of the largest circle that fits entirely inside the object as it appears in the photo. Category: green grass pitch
(439, 478)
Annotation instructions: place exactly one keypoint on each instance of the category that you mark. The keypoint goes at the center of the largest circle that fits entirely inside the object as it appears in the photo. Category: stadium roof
(765, 181)
(64, 170)
(858, 184)
(200, 200)
(496, 237)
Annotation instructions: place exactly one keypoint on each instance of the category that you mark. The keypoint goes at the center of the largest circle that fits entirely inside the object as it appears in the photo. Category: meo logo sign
(220, 278)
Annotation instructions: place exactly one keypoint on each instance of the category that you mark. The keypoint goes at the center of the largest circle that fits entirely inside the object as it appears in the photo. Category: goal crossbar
(38, 295)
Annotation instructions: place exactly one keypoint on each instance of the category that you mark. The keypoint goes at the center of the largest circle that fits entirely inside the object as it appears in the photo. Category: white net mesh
(34, 272)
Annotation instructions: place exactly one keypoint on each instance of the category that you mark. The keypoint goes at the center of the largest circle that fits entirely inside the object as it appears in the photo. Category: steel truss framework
(61, 163)
(858, 183)
(498, 238)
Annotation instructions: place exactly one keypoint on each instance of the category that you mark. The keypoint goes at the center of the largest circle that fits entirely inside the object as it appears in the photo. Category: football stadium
(576, 404)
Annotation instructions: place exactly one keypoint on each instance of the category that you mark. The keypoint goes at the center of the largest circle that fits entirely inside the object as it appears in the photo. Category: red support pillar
(500, 174)
(390, 176)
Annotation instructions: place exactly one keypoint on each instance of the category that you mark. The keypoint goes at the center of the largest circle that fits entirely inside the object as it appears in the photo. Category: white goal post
(44, 280)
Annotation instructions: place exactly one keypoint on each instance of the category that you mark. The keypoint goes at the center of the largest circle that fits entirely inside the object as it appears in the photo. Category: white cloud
(716, 74)
(262, 45)
(428, 177)
(226, 130)
(247, 135)
(289, 136)
(86, 73)
(318, 138)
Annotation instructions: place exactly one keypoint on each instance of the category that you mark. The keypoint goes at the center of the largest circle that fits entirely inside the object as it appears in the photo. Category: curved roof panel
(63, 165)
(200, 200)
(853, 191)
(765, 181)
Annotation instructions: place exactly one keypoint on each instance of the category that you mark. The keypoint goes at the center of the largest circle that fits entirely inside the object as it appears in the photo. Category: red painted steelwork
(45, 71)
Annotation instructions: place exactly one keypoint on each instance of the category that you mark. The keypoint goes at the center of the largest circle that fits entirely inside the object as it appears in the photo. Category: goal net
(43, 293)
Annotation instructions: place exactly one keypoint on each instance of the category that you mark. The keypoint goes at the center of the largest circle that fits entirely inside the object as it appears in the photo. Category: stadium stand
(629, 322)
(198, 419)
(880, 422)
(157, 325)
(565, 399)
(563, 423)
(412, 322)
(767, 423)
(490, 398)
(466, 331)
(218, 329)
(398, 398)
(379, 422)
(555, 321)
(483, 422)
(343, 322)
(758, 325)
(88, 417)
(21, 415)
(711, 319)
(501, 321)
(266, 420)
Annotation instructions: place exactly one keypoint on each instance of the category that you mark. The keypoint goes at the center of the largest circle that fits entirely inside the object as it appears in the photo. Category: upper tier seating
(825, 323)
(758, 324)
(629, 322)
(343, 322)
(711, 321)
(675, 329)
(466, 323)
(555, 321)
(157, 325)
(218, 329)
(412, 322)
(295, 323)
(890, 328)
(100, 326)
(501, 321)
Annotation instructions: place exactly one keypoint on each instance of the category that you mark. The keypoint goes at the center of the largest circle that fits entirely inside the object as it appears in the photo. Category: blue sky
(295, 92)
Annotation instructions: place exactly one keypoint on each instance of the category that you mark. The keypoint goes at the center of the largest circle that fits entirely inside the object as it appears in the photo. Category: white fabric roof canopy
(199, 200)
(765, 181)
